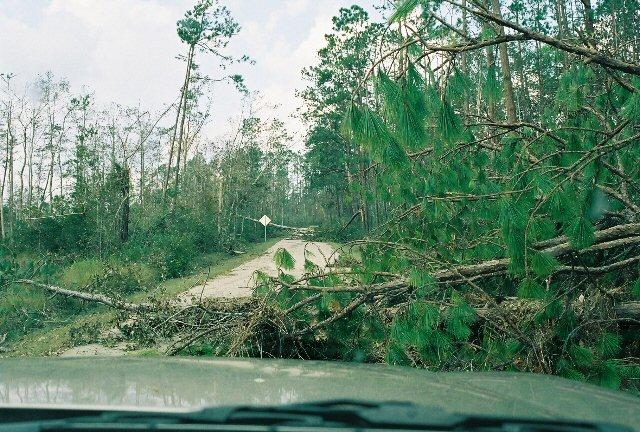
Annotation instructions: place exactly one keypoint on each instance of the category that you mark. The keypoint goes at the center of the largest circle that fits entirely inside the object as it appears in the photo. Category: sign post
(264, 220)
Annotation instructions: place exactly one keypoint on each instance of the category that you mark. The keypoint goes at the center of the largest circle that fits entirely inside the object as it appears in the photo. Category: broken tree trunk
(300, 230)
(98, 298)
(620, 235)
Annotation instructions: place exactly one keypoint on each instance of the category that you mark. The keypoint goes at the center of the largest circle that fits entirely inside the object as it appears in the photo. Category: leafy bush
(66, 234)
(21, 312)
(174, 259)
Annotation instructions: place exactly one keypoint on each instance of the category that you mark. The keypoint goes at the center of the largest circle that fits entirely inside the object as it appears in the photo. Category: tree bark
(464, 59)
(621, 235)
(125, 182)
(183, 96)
(588, 22)
(98, 298)
(491, 64)
(508, 94)
(184, 116)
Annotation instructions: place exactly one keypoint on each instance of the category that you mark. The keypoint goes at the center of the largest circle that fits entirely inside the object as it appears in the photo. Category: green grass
(53, 340)
(82, 273)
(78, 330)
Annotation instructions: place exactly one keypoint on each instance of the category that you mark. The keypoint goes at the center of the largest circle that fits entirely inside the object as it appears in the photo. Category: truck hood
(191, 383)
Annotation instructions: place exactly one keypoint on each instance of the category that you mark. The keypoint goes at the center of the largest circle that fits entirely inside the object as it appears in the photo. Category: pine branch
(624, 176)
(610, 238)
(629, 310)
(591, 55)
(617, 195)
(357, 302)
(600, 269)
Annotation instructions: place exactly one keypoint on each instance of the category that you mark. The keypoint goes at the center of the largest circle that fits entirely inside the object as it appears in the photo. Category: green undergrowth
(38, 324)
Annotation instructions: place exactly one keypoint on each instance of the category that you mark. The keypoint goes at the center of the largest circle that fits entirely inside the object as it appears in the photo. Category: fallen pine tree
(303, 231)
(87, 296)
(501, 224)
(449, 321)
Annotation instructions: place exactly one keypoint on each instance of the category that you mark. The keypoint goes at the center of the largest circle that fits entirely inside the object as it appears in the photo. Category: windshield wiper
(327, 416)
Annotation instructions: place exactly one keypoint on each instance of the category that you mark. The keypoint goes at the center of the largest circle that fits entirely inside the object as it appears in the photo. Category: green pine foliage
(543, 264)
(531, 289)
(460, 317)
(284, 259)
(449, 178)
(403, 8)
(631, 108)
(636, 289)
(581, 232)
(449, 123)
(609, 344)
(492, 89)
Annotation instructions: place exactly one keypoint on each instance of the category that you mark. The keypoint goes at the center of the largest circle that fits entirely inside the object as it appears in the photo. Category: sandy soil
(93, 350)
(239, 281)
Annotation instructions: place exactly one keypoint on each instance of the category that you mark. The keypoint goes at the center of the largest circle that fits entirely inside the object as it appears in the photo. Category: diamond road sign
(264, 220)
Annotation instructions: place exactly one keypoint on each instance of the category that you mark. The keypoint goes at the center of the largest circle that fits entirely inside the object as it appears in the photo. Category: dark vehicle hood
(190, 383)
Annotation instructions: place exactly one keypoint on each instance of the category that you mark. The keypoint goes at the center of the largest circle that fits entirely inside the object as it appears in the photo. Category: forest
(474, 164)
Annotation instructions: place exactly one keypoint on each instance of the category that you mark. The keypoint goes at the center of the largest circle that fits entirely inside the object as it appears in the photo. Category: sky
(125, 50)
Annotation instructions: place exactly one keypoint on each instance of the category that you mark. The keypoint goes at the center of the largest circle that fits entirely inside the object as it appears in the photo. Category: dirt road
(237, 283)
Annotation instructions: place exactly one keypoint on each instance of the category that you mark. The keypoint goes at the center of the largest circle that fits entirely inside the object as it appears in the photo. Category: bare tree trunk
(523, 97)
(588, 22)
(50, 179)
(8, 168)
(11, 203)
(125, 182)
(48, 184)
(22, 170)
(99, 298)
(142, 174)
(2, 188)
(183, 97)
(60, 175)
(491, 64)
(463, 62)
(220, 201)
(509, 99)
(30, 165)
(184, 116)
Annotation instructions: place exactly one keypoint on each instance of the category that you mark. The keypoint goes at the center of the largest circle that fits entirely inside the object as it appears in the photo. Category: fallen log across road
(172, 316)
(301, 230)
(617, 236)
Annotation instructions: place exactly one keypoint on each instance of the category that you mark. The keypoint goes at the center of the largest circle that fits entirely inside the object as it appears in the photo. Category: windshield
(412, 187)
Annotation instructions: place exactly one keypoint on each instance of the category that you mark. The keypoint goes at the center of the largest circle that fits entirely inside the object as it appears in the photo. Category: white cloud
(125, 49)
(132, 58)
(283, 56)
(296, 7)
